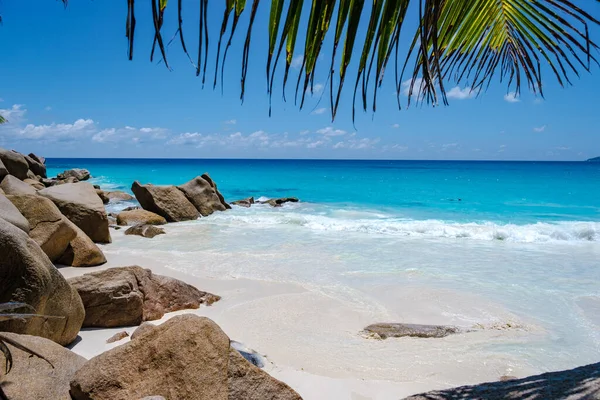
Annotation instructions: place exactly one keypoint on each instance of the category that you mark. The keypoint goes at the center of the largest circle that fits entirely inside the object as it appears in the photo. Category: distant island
(595, 159)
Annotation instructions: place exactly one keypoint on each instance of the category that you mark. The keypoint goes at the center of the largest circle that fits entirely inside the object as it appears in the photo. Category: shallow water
(517, 255)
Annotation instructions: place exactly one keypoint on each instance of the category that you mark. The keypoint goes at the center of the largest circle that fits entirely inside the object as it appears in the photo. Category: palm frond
(2, 120)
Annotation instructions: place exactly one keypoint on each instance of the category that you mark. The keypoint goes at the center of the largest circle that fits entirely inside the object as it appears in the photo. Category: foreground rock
(3, 170)
(130, 295)
(28, 276)
(12, 185)
(49, 228)
(187, 357)
(167, 201)
(139, 216)
(11, 214)
(77, 173)
(81, 251)
(280, 202)
(102, 196)
(203, 194)
(15, 163)
(244, 202)
(574, 384)
(82, 206)
(32, 378)
(147, 231)
(385, 330)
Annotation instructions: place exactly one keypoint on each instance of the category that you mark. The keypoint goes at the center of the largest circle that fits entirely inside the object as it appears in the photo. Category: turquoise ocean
(499, 244)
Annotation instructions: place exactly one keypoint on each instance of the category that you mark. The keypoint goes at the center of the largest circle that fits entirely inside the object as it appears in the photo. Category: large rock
(203, 194)
(147, 231)
(187, 357)
(3, 170)
(38, 159)
(15, 163)
(102, 196)
(12, 185)
(48, 227)
(77, 173)
(32, 378)
(118, 195)
(81, 251)
(580, 383)
(130, 295)
(167, 201)
(82, 206)
(10, 213)
(37, 185)
(28, 276)
(36, 166)
(386, 330)
(139, 216)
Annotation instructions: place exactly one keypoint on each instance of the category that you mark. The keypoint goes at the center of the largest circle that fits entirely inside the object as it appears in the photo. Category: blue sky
(69, 90)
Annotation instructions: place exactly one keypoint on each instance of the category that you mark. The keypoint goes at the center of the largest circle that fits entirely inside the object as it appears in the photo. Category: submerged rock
(385, 330)
(167, 201)
(147, 231)
(244, 202)
(279, 202)
(203, 194)
(128, 296)
(77, 173)
(139, 216)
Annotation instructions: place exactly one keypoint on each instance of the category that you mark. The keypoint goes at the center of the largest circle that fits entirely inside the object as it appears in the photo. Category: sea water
(481, 245)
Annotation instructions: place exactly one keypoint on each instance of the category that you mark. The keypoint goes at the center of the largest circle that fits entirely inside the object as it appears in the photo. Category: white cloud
(357, 144)
(501, 148)
(13, 114)
(231, 122)
(405, 87)
(563, 148)
(129, 134)
(48, 108)
(512, 97)
(297, 61)
(396, 126)
(539, 129)
(320, 111)
(449, 145)
(56, 132)
(318, 88)
(330, 131)
(461, 94)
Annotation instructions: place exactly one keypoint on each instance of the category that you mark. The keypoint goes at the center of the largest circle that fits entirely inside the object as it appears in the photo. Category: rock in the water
(36, 167)
(77, 173)
(32, 378)
(81, 251)
(167, 201)
(128, 296)
(142, 329)
(139, 216)
(280, 202)
(82, 206)
(118, 195)
(48, 227)
(117, 336)
(28, 276)
(37, 185)
(15, 163)
(10, 213)
(244, 202)
(147, 231)
(385, 330)
(12, 185)
(70, 179)
(203, 194)
(581, 383)
(187, 357)
(102, 196)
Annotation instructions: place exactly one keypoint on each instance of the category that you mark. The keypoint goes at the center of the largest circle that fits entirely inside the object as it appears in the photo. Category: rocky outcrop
(32, 378)
(102, 196)
(139, 216)
(147, 231)
(28, 276)
(48, 227)
(203, 194)
(37, 185)
(167, 201)
(279, 202)
(130, 295)
(3, 170)
(118, 195)
(11, 214)
(575, 384)
(187, 357)
(35, 166)
(12, 185)
(82, 206)
(77, 173)
(142, 330)
(81, 251)
(385, 330)
(244, 202)
(15, 163)
(37, 158)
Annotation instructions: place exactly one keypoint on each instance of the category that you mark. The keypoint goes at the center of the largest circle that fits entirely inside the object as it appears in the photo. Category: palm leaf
(2, 120)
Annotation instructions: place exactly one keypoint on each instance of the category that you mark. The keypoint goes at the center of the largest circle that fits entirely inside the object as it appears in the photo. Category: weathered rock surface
(3, 170)
(102, 196)
(144, 328)
(244, 202)
(147, 231)
(130, 295)
(15, 163)
(81, 251)
(167, 201)
(11, 214)
(187, 357)
(139, 216)
(48, 182)
(575, 384)
(12, 185)
(37, 185)
(280, 202)
(32, 378)
(118, 195)
(117, 336)
(48, 227)
(203, 194)
(77, 173)
(36, 166)
(82, 206)
(37, 158)
(385, 330)
(28, 276)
